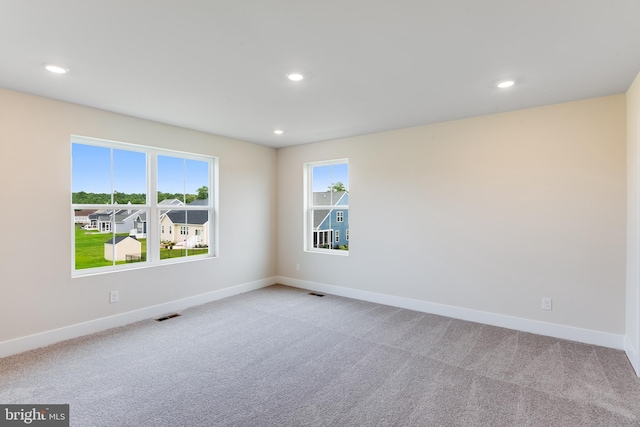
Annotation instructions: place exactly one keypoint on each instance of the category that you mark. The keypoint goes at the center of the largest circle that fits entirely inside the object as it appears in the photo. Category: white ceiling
(370, 65)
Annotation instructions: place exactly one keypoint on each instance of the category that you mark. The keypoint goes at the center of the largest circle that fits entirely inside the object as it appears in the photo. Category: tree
(338, 186)
(203, 193)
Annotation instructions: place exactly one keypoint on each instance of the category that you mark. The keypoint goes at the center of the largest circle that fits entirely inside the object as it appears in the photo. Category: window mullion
(153, 221)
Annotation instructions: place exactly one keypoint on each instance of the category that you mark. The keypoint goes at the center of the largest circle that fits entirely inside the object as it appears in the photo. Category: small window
(327, 206)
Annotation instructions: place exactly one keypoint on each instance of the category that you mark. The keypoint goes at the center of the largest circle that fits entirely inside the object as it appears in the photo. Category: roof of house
(169, 202)
(319, 217)
(119, 239)
(200, 202)
(188, 217)
(119, 215)
(328, 198)
(100, 216)
(173, 202)
(123, 214)
(83, 212)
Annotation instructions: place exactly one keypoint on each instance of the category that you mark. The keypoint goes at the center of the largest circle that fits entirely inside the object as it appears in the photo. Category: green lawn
(90, 249)
(176, 253)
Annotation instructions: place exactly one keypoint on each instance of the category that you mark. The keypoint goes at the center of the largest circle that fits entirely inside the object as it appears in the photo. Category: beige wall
(633, 221)
(490, 213)
(38, 293)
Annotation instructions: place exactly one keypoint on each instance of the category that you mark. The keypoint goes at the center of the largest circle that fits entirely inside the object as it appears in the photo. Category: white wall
(489, 214)
(38, 293)
(632, 342)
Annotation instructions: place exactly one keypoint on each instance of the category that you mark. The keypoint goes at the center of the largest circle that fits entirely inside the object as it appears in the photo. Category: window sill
(119, 269)
(337, 252)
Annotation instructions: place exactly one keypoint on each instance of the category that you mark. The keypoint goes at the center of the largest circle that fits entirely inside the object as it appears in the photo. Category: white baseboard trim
(587, 336)
(633, 355)
(42, 339)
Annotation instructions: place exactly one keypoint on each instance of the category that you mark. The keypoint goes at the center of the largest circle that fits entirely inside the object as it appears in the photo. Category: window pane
(181, 179)
(332, 180)
(328, 233)
(183, 182)
(91, 174)
(129, 177)
(184, 233)
(90, 241)
(104, 239)
(114, 234)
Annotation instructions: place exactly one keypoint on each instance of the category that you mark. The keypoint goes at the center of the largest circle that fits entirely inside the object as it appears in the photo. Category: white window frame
(339, 216)
(309, 208)
(152, 207)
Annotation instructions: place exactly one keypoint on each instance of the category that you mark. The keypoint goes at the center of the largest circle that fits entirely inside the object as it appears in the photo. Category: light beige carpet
(281, 357)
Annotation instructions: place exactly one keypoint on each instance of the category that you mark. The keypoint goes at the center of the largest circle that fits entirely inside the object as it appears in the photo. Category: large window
(138, 200)
(327, 206)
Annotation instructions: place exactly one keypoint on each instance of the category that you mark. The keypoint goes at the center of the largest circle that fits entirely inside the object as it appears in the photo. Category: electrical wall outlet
(114, 296)
(297, 267)
(546, 304)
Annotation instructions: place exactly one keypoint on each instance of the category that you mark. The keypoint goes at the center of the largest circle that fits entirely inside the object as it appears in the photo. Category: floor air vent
(167, 317)
(316, 294)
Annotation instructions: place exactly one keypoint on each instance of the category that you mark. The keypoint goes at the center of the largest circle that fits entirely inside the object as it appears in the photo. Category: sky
(176, 175)
(325, 176)
(92, 165)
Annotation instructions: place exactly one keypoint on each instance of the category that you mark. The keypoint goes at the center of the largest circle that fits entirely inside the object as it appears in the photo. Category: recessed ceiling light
(278, 132)
(56, 68)
(296, 77)
(505, 84)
